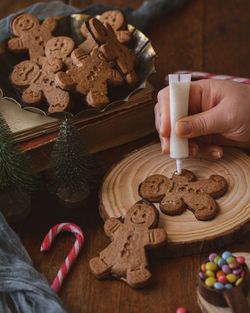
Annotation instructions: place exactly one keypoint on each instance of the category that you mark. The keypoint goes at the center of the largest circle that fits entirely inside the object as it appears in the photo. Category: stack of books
(120, 124)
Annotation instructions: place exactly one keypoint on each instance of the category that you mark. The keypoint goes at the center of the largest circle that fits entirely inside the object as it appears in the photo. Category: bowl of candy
(224, 279)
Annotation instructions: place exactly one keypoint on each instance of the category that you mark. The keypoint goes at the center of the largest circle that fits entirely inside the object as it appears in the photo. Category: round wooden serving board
(186, 234)
(206, 307)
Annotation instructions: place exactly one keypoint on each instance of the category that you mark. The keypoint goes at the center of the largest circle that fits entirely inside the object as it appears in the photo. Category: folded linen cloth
(22, 288)
(140, 18)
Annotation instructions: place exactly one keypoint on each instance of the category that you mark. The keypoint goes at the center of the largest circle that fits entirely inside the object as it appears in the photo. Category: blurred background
(202, 35)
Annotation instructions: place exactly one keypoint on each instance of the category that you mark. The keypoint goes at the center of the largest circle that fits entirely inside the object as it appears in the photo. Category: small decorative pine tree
(15, 167)
(72, 169)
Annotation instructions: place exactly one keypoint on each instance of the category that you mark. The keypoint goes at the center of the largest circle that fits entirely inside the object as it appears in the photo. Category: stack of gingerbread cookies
(56, 67)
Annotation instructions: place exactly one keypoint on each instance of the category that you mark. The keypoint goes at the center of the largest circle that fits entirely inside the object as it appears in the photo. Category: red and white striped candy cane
(69, 260)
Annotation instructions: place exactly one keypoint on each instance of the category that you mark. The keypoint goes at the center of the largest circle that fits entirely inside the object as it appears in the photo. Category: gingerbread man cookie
(182, 192)
(90, 77)
(57, 54)
(125, 257)
(31, 35)
(39, 84)
(117, 21)
(113, 50)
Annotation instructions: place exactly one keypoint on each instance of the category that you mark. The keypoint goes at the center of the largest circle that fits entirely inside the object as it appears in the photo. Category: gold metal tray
(70, 26)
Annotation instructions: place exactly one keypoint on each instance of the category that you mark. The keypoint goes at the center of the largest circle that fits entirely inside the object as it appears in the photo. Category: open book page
(20, 120)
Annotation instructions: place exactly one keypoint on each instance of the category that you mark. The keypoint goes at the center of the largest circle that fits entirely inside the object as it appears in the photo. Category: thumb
(209, 122)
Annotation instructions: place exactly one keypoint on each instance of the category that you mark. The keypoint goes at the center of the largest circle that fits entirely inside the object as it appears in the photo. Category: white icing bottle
(179, 85)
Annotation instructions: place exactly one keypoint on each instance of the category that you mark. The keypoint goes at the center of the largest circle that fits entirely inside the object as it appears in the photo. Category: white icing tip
(178, 166)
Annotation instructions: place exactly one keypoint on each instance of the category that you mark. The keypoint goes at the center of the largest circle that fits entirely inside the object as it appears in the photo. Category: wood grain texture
(9, 7)
(120, 191)
(205, 35)
(209, 308)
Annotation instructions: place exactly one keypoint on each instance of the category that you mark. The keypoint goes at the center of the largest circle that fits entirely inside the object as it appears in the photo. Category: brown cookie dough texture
(125, 256)
(98, 35)
(117, 21)
(31, 35)
(38, 85)
(57, 54)
(90, 77)
(182, 192)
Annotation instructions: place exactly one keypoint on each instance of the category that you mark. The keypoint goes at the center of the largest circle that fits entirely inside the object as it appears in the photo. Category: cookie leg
(138, 277)
(99, 268)
(172, 204)
(97, 99)
(203, 206)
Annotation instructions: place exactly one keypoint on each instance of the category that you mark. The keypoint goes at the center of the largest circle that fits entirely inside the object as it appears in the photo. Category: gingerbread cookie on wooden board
(180, 192)
(125, 257)
(117, 21)
(38, 85)
(90, 78)
(31, 35)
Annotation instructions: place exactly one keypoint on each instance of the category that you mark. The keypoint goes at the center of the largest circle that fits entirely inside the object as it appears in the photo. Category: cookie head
(24, 73)
(59, 47)
(23, 23)
(142, 213)
(154, 187)
(113, 18)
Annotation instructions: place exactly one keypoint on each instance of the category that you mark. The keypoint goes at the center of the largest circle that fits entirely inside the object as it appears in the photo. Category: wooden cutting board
(209, 308)
(186, 234)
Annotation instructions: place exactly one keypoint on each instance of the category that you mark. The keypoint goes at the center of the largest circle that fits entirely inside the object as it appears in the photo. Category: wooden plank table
(207, 35)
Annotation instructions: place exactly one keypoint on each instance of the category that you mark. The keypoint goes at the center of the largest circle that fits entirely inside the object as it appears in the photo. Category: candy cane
(69, 260)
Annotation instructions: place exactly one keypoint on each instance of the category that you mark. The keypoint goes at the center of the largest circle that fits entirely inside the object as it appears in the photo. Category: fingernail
(164, 145)
(183, 128)
(216, 154)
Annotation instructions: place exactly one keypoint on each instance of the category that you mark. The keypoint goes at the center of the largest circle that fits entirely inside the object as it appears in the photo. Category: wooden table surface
(207, 35)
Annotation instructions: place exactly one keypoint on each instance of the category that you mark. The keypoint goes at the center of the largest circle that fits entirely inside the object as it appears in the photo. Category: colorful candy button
(212, 256)
(216, 260)
(240, 259)
(234, 265)
(221, 262)
(231, 278)
(219, 286)
(226, 254)
(228, 286)
(202, 275)
(222, 279)
(210, 266)
(237, 271)
(226, 269)
(181, 309)
(210, 274)
(220, 273)
(210, 281)
(203, 267)
(239, 281)
(230, 259)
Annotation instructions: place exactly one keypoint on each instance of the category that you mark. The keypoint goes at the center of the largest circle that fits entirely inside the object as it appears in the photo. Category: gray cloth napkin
(22, 288)
(140, 18)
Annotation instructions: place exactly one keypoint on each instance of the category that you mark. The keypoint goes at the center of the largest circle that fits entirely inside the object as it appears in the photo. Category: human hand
(219, 115)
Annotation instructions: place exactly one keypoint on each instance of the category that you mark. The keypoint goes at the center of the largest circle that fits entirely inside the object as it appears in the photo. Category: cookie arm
(114, 77)
(50, 23)
(111, 226)
(16, 45)
(156, 237)
(215, 186)
(64, 81)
